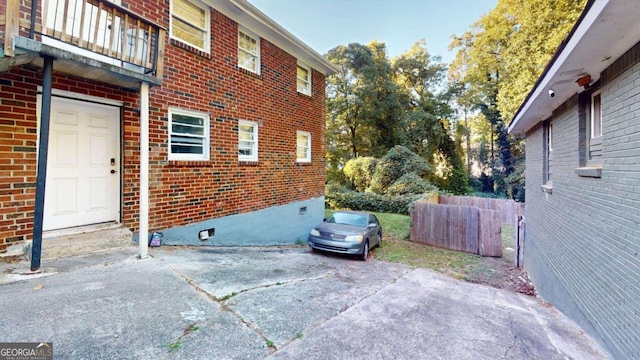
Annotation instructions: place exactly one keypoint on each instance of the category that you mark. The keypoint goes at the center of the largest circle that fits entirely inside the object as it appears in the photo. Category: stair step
(86, 242)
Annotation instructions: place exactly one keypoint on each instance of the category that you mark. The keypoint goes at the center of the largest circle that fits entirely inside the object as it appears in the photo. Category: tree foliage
(497, 63)
(375, 103)
(360, 171)
(397, 162)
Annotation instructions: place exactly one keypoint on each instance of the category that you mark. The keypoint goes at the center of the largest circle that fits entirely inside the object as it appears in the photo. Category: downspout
(143, 237)
(43, 150)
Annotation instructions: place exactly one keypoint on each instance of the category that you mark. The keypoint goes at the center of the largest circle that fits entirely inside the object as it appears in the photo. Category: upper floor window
(188, 135)
(190, 23)
(247, 140)
(303, 146)
(248, 51)
(304, 79)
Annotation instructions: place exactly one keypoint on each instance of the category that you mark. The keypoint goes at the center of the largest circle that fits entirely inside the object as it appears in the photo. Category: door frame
(90, 99)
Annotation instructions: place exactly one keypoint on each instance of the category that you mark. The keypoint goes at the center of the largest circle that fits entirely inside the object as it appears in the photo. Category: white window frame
(593, 114)
(254, 145)
(307, 158)
(205, 136)
(307, 81)
(249, 34)
(207, 22)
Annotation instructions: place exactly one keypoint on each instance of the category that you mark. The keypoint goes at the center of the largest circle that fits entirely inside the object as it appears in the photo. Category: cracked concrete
(276, 302)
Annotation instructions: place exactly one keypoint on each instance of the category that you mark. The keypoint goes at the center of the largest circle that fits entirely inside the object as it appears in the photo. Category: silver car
(347, 232)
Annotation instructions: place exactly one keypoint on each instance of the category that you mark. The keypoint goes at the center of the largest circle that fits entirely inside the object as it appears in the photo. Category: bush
(396, 163)
(339, 197)
(359, 171)
(410, 184)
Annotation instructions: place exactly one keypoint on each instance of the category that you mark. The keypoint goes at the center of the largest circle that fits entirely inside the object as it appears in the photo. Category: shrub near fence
(509, 209)
(462, 228)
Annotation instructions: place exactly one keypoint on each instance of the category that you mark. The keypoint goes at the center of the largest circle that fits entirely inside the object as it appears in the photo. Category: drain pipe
(143, 219)
(43, 151)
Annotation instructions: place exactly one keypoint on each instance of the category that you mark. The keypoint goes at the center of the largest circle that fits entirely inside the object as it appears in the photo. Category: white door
(83, 166)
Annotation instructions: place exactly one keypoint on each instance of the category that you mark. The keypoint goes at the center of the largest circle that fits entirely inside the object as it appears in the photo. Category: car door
(374, 229)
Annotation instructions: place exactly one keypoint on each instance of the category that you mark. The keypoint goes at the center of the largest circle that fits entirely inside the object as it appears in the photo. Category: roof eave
(605, 30)
(247, 15)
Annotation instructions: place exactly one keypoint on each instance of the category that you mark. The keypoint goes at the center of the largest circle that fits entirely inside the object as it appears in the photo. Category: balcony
(94, 39)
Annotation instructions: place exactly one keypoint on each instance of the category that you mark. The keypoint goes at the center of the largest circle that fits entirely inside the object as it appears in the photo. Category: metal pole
(34, 14)
(143, 237)
(43, 150)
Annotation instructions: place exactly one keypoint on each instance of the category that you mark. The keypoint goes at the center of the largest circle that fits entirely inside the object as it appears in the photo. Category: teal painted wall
(278, 225)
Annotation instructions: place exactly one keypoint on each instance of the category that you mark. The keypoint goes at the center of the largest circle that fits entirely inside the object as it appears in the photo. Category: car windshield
(348, 219)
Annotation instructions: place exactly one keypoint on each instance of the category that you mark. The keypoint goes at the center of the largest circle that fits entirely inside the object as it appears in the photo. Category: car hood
(340, 228)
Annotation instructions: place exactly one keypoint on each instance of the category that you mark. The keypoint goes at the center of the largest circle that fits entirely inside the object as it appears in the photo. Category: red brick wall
(17, 157)
(182, 192)
(18, 143)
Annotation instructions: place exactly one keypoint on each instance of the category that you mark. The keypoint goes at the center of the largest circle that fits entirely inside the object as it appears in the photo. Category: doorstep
(85, 240)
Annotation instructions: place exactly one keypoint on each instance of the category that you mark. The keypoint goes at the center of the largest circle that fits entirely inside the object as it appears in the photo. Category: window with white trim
(303, 146)
(303, 74)
(247, 140)
(549, 146)
(190, 23)
(595, 129)
(248, 51)
(188, 135)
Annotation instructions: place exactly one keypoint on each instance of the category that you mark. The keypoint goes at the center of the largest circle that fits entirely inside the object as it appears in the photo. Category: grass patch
(397, 248)
(174, 346)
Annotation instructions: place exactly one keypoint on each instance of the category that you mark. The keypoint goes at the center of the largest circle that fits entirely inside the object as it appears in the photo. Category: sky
(325, 24)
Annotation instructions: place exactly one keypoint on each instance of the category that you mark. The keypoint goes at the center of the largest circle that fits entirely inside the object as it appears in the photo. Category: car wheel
(365, 251)
(380, 238)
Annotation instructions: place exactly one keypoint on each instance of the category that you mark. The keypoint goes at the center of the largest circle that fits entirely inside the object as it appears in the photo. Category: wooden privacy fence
(509, 209)
(457, 227)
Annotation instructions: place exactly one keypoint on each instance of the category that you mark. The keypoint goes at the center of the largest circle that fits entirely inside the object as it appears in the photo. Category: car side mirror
(372, 225)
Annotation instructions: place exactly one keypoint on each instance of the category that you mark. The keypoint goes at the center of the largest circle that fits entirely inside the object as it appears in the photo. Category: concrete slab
(279, 302)
(428, 316)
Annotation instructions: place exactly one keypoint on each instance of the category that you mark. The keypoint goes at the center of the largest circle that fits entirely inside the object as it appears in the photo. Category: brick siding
(182, 192)
(582, 245)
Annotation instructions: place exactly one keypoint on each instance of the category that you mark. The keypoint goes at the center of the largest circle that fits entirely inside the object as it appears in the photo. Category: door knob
(113, 171)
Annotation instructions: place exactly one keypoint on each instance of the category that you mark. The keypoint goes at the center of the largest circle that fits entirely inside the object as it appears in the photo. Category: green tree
(398, 162)
(500, 60)
(360, 171)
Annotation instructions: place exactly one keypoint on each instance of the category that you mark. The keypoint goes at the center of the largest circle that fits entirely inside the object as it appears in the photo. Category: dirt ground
(501, 273)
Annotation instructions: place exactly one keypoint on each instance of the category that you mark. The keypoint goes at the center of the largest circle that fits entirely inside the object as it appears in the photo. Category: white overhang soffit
(247, 15)
(605, 31)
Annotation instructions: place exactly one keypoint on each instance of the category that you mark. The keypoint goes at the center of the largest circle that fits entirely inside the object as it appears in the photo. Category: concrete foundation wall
(278, 225)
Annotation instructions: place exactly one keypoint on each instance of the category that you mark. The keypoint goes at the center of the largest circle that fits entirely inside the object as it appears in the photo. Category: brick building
(232, 107)
(582, 127)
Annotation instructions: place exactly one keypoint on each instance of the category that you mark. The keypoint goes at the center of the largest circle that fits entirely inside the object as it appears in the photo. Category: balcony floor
(30, 52)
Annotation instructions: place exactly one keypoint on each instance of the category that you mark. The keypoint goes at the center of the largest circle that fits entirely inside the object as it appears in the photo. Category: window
(547, 170)
(303, 146)
(595, 130)
(304, 79)
(548, 134)
(248, 51)
(247, 141)
(590, 127)
(596, 116)
(188, 135)
(190, 23)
